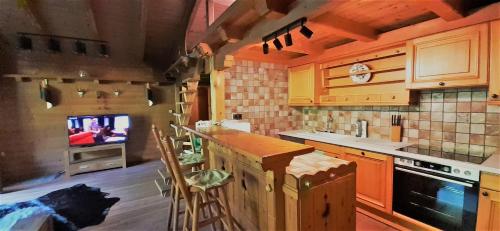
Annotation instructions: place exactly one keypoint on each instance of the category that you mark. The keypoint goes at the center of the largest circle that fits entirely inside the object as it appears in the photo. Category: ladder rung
(180, 114)
(178, 139)
(163, 174)
(175, 126)
(190, 80)
(162, 187)
(187, 91)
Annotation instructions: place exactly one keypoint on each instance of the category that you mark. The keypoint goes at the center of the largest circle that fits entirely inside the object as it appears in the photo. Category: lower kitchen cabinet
(373, 178)
(488, 213)
(373, 174)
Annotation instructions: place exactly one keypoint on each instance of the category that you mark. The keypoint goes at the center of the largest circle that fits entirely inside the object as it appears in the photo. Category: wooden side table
(74, 166)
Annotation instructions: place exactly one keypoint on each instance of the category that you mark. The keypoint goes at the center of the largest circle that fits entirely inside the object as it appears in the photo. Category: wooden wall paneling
(34, 138)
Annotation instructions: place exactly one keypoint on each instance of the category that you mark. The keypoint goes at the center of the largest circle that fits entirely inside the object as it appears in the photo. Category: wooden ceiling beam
(91, 12)
(230, 35)
(35, 18)
(448, 10)
(272, 9)
(345, 27)
(263, 26)
(399, 36)
(272, 57)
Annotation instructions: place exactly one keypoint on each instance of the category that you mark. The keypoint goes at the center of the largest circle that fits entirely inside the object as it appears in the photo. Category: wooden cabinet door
(488, 213)
(249, 190)
(301, 85)
(450, 59)
(373, 178)
(494, 92)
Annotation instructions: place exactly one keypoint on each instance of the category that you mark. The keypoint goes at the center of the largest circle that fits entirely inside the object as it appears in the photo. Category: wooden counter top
(268, 151)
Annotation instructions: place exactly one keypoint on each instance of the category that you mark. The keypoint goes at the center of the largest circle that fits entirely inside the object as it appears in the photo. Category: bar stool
(199, 189)
(187, 163)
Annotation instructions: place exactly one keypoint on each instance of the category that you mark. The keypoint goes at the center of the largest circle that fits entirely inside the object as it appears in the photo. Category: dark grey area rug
(71, 208)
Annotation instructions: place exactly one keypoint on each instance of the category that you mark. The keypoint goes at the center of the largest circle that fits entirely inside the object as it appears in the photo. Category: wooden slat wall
(33, 138)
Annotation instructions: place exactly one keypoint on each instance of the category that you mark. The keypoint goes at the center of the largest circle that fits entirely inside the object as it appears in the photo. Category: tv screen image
(97, 129)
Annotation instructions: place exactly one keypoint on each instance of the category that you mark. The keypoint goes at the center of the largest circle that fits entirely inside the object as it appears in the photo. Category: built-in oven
(442, 196)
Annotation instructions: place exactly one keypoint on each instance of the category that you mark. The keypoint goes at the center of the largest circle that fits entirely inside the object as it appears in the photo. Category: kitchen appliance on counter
(443, 196)
(361, 128)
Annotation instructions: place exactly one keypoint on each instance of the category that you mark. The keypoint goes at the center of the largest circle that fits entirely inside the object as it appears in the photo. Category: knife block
(396, 133)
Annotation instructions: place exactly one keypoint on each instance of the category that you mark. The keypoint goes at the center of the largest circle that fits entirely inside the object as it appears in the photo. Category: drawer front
(329, 148)
(325, 99)
(394, 98)
(366, 154)
(83, 167)
(116, 163)
(368, 99)
(348, 99)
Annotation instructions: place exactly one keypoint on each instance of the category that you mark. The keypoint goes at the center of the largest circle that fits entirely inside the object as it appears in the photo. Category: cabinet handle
(485, 194)
(393, 97)
(494, 96)
(363, 153)
(441, 83)
(367, 98)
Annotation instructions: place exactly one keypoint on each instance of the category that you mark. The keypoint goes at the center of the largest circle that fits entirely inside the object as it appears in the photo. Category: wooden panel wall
(33, 138)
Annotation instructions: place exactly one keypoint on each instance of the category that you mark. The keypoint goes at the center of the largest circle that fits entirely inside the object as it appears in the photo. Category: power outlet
(237, 116)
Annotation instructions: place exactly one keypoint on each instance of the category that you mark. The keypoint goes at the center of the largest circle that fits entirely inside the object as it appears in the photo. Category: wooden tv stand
(100, 161)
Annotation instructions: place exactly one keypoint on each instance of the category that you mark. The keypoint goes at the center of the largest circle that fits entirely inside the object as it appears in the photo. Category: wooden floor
(140, 207)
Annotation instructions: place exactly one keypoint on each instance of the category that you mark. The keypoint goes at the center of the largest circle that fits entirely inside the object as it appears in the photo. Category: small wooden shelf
(99, 162)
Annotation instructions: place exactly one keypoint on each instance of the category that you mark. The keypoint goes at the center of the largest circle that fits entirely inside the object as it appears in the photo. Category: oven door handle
(434, 177)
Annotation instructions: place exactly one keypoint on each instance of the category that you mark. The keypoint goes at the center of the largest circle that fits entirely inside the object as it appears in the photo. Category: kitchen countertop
(491, 165)
(263, 149)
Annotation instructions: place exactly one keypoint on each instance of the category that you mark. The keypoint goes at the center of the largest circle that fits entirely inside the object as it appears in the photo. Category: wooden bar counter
(258, 164)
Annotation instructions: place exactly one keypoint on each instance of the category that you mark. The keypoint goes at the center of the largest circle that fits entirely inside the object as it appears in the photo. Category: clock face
(360, 73)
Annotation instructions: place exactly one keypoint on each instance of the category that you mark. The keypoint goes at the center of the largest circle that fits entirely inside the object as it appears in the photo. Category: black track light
(24, 43)
(103, 50)
(53, 45)
(80, 48)
(288, 39)
(277, 43)
(306, 31)
(265, 48)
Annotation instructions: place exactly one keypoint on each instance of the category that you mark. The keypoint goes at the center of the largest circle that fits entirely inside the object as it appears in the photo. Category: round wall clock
(359, 73)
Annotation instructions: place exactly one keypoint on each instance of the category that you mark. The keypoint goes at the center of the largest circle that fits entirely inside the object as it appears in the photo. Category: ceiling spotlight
(265, 48)
(80, 48)
(103, 50)
(277, 43)
(288, 38)
(24, 43)
(53, 45)
(306, 31)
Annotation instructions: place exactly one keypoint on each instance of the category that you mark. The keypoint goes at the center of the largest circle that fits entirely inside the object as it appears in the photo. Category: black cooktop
(445, 155)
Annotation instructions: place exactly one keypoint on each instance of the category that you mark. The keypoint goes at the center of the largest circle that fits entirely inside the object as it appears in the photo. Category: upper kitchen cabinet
(494, 92)
(451, 59)
(376, 78)
(301, 85)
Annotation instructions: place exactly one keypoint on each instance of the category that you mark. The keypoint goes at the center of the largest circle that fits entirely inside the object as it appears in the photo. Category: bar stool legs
(228, 217)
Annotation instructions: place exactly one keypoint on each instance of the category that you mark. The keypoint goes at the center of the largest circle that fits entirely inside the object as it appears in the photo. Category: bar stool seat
(207, 179)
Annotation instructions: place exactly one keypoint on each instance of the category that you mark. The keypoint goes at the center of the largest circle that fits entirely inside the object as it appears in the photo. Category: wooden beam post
(345, 27)
(448, 10)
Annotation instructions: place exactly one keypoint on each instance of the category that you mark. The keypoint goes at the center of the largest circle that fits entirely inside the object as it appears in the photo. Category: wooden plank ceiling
(136, 31)
(334, 23)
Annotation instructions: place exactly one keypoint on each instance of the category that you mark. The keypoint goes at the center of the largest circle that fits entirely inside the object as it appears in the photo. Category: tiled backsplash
(259, 91)
(451, 120)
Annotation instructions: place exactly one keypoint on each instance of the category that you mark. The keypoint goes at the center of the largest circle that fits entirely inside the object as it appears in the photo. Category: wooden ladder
(181, 140)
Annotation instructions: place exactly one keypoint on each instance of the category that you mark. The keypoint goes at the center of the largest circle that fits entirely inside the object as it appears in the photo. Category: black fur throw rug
(71, 208)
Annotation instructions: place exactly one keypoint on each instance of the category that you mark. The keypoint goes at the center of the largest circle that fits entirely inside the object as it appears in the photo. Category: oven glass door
(440, 201)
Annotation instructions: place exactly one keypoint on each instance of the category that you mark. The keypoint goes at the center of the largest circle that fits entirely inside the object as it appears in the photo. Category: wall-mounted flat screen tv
(91, 130)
